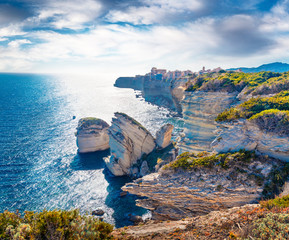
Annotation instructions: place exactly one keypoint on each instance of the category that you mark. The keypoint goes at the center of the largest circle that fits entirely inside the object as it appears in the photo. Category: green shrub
(272, 226)
(278, 176)
(56, 225)
(189, 161)
(255, 106)
(257, 83)
(279, 202)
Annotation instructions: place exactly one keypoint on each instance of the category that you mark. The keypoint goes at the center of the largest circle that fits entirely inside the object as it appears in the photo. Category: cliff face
(130, 82)
(178, 194)
(199, 112)
(165, 93)
(128, 142)
(244, 134)
(92, 135)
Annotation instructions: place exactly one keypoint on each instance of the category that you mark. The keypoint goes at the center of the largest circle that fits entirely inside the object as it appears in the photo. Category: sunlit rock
(128, 141)
(164, 135)
(92, 135)
(244, 134)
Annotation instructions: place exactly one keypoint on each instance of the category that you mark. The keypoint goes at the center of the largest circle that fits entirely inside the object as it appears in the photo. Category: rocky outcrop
(172, 195)
(92, 135)
(199, 112)
(164, 135)
(130, 82)
(215, 225)
(172, 91)
(128, 141)
(244, 134)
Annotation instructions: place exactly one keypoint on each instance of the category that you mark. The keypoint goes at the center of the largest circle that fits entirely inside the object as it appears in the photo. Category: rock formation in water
(164, 135)
(92, 135)
(128, 141)
(244, 134)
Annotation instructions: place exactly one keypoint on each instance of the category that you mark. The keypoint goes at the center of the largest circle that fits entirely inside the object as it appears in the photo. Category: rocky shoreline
(220, 166)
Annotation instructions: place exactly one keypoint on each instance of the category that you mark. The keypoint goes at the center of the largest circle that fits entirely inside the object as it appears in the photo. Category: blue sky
(130, 36)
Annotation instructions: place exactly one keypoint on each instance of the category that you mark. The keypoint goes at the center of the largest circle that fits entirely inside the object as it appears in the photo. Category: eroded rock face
(92, 135)
(244, 134)
(128, 142)
(164, 135)
(173, 195)
(199, 112)
(170, 96)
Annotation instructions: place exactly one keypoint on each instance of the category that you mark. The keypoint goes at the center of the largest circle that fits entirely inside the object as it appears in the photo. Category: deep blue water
(39, 164)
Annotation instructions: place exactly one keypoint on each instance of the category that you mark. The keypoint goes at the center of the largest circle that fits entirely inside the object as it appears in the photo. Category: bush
(257, 83)
(272, 226)
(279, 202)
(278, 176)
(56, 225)
(273, 121)
(255, 106)
(188, 161)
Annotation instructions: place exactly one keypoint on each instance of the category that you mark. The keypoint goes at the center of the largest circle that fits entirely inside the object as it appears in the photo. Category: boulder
(144, 169)
(92, 135)
(98, 212)
(135, 219)
(128, 141)
(164, 135)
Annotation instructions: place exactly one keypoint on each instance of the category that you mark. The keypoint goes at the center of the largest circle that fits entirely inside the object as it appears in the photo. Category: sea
(40, 167)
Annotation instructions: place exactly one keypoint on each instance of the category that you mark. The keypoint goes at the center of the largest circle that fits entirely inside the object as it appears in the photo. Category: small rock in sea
(136, 219)
(182, 135)
(123, 193)
(73, 117)
(98, 212)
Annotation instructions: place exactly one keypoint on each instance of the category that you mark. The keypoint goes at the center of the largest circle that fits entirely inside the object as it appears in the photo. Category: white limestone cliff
(128, 141)
(244, 134)
(200, 109)
(92, 135)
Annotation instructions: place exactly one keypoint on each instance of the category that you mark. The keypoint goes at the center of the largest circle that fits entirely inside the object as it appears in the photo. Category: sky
(129, 37)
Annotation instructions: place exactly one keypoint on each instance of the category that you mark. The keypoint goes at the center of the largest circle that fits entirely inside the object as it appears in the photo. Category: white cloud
(18, 43)
(67, 14)
(137, 15)
(173, 5)
(11, 30)
(157, 11)
(277, 20)
(113, 48)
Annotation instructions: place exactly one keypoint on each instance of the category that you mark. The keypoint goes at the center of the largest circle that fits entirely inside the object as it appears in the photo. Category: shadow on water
(123, 206)
(89, 161)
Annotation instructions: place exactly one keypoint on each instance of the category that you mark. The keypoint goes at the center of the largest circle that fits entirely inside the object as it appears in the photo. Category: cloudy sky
(131, 36)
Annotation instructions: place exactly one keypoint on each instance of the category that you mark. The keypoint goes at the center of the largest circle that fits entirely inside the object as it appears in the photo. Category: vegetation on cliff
(247, 222)
(88, 121)
(269, 113)
(236, 163)
(56, 225)
(256, 83)
(189, 161)
(132, 120)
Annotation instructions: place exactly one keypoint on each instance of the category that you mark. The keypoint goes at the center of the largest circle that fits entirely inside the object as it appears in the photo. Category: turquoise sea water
(39, 164)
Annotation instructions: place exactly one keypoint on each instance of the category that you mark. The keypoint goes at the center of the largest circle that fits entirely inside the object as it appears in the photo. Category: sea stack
(92, 135)
(128, 141)
(164, 135)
